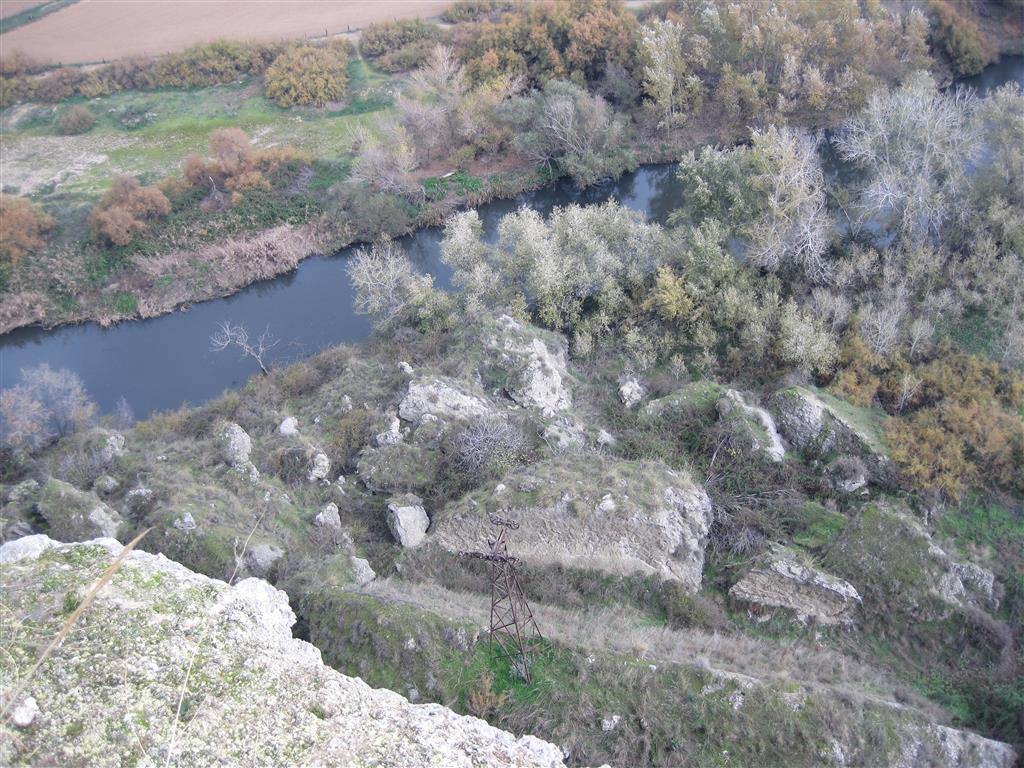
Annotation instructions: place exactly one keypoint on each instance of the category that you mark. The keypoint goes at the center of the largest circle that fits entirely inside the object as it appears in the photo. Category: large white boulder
(262, 697)
(407, 519)
(593, 513)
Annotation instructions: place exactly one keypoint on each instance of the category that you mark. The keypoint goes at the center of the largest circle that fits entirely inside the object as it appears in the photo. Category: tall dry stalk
(59, 638)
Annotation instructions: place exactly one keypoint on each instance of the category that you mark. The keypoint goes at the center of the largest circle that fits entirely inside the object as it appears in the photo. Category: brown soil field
(11, 7)
(96, 30)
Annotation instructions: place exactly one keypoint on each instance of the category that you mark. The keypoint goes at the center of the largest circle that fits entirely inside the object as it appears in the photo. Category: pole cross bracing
(513, 628)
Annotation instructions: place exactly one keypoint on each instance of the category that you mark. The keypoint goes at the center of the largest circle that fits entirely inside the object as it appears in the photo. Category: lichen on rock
(170, 667)
(593, 513)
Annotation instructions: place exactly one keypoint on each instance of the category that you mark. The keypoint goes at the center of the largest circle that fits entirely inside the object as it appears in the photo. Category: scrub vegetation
(813, 367)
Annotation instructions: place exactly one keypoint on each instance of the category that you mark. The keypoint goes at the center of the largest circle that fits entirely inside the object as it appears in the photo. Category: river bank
(164, 361)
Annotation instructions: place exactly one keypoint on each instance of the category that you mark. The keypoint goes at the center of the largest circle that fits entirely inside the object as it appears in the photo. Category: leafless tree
(796, 227)
(47, 404)
(385, 163)
(916, 144)
(909, 385)
(229, 335)
(123, 415)
(384, 280)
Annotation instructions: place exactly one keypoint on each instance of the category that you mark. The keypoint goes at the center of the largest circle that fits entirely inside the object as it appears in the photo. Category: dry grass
(621, 630)
(224, 267)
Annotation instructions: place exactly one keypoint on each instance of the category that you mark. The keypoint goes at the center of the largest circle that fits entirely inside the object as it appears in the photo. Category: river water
(161, 363)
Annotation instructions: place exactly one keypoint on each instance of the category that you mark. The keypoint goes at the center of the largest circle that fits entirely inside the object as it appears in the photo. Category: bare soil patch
(94, 30)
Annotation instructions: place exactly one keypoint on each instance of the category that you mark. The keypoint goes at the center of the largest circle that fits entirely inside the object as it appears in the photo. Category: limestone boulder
(779, 580)
(329, 517)
(441, 399)
(593, 513)
(407, 519)
(631, 392)
(235, 443)
(533, 363)
(74, 515)
(261, 560)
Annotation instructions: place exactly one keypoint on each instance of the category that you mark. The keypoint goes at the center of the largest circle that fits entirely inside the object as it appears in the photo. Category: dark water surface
(161, 363)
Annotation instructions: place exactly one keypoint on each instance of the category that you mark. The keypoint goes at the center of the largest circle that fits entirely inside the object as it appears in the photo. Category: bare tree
(47, 404)
(384, 280)
(796, 227)
(230, 335)
(489, 445)
(916, 144)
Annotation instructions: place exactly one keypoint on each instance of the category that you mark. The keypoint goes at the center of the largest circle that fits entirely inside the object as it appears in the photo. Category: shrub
(236, 166)
(960, 38)
(75, 121)
(354, 430)
(17, 62)
(22, 227)
(307, 76)
(474, 10)
(126, 210)
(684, 610)
(489, 447)
(46, 405)
(387, 36)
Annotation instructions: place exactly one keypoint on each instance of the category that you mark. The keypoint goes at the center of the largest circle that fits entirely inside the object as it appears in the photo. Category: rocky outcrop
(952, 748)
(72, 515)
(595, 514)
(397, 467)
(697, 397)
(289, 426)
(751, 426)
(407, 519)
(436, 398)
(780, 581)
(823, 426)
(533, 362)
(631, 392)
(255, 696)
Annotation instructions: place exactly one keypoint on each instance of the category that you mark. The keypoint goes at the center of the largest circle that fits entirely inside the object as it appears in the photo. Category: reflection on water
(159, 364)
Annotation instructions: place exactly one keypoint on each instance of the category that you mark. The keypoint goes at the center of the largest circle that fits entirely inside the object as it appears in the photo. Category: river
(164, 362)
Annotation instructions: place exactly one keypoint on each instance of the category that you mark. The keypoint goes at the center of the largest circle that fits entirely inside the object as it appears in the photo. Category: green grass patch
(814, 527)
(125, 304)
(460, 182)
(984, 523)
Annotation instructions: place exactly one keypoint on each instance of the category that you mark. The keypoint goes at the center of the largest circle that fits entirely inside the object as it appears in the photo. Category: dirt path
(94, 30)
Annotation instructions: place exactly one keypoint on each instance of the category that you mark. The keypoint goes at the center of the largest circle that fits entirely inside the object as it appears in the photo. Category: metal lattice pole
(513, 627)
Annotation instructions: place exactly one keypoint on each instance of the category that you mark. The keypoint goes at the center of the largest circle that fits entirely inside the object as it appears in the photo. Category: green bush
(960, 38)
